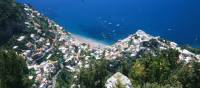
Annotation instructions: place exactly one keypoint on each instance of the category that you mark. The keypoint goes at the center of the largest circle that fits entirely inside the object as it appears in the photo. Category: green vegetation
(154, 68)
(189, 75)
(162, 70)
(64, 79)
(94, 76)
(156, 85)
(13, 71)
(165, 69)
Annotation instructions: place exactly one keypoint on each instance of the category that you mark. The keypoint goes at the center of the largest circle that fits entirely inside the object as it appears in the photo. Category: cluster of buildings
(135, 43)
(40, 48)
(44, 44)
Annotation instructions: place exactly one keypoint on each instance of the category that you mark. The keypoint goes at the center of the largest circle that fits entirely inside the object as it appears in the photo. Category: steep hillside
(56, 60)
(11, 19)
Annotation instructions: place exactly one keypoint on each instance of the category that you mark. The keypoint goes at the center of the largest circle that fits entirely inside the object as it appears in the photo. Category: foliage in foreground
(64, 79)
(13, 71)
(161, 71)
(165, 69)
(95, 76)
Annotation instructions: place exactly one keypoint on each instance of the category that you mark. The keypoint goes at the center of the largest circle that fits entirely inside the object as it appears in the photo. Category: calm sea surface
(110, 20)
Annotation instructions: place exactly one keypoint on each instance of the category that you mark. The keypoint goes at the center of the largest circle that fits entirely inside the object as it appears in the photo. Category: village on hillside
(47, 49)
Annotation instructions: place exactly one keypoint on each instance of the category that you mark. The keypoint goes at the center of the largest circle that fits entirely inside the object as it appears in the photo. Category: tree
(64, 79)
(95, 75)
(171, 56)
(138, 73)
(189, 75)
(155, 69)
(13, 71)
(125, 68)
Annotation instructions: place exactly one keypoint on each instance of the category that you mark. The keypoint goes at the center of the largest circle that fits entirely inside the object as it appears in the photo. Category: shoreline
(92, 43)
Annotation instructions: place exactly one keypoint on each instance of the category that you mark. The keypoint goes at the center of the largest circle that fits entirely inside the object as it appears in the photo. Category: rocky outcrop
(118, 79)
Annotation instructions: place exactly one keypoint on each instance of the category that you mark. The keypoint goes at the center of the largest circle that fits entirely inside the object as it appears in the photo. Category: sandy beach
(91, 42)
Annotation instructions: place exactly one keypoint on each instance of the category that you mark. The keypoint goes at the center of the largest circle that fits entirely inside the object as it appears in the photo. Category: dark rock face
(11, 19)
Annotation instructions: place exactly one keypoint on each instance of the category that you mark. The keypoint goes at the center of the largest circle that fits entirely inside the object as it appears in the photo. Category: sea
(108, 21)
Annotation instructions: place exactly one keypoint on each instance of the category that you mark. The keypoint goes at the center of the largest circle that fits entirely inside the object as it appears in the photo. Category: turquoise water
(110, 20)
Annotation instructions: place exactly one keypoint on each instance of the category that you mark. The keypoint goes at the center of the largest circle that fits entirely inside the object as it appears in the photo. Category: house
(21, 38)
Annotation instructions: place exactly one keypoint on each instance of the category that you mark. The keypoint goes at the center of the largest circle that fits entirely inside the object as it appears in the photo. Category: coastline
(92, 43)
